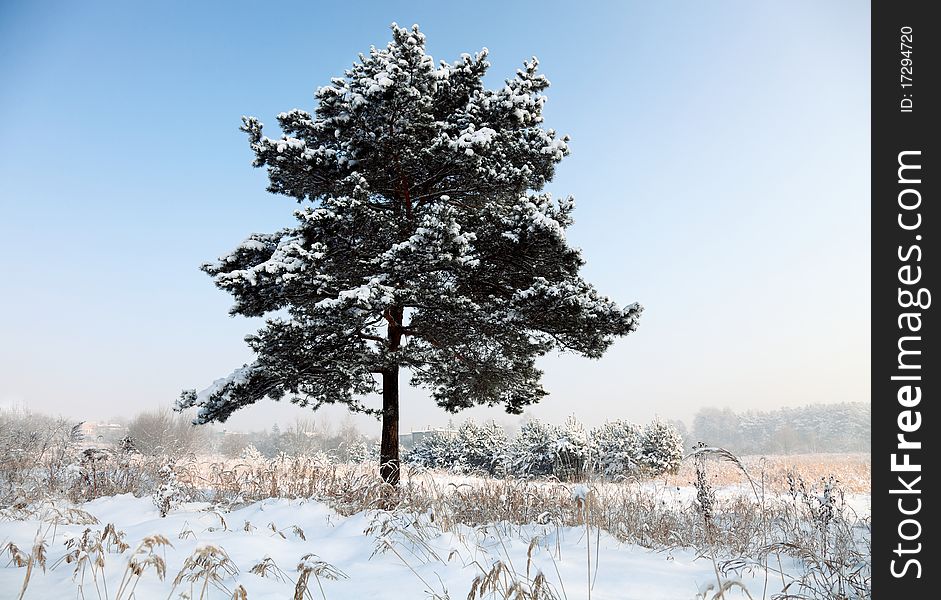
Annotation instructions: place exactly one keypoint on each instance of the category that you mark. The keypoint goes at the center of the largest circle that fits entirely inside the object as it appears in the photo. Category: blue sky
(720, 164)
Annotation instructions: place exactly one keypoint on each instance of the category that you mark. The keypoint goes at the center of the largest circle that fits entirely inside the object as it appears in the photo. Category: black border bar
(904, 231)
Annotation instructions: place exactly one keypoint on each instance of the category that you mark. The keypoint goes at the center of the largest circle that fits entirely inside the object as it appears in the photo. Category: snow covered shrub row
(472, 448)
(614, 450)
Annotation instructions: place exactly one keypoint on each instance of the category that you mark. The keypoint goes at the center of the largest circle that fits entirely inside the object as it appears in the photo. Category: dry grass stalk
(311, 564)
(267, 568)
(209, 564)
(144, 556)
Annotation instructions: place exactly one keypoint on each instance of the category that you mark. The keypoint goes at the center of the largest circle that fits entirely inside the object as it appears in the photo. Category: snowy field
(98, 523)
(644, 541)
(370, 554)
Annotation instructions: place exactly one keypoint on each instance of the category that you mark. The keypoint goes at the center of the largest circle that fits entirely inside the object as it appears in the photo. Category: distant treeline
(814, 428)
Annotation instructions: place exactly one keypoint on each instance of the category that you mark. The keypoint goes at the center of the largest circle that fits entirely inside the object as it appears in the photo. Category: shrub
(572, 450)
(532, 453)
(618, 448)
(662, 448)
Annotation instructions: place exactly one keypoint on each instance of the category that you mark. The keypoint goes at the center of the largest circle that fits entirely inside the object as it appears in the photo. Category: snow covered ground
(377, 555)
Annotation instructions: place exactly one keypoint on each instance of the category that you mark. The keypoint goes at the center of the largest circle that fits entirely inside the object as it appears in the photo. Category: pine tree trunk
(389, 450)
(389, 447)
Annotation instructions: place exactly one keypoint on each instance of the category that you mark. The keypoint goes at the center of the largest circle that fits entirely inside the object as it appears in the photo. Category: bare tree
(164, 432)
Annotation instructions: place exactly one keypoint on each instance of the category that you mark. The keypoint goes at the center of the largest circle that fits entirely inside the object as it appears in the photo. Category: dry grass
(208, 565)
(854, 471)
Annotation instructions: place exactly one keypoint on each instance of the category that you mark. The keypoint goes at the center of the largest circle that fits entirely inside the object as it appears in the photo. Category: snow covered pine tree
(426, 246)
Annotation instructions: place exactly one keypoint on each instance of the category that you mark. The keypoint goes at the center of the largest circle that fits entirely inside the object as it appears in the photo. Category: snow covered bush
(532, 453)
(662, 448)
(572, 450)
(618, 447)
(251, 454)
(437, 450)
(168, 494)
(363, 450)
(480, 448)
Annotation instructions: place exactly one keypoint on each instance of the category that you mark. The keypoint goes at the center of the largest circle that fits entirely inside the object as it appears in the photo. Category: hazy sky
(720, 164)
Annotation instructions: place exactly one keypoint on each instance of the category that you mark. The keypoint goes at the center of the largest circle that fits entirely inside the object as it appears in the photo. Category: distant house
(409, 440)
(102, 434)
